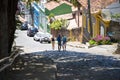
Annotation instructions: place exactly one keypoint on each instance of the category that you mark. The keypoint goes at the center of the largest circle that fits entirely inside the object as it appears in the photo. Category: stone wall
(76, 34)
(115, 29)
(73, 34)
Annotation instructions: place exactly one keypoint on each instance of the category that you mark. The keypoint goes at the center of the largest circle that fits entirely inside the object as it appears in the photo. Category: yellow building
(99, 24)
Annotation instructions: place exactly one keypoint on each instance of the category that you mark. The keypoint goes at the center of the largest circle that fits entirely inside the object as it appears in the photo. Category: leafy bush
(100, 40)
(92, 42)
(58, 24)
(18, 23)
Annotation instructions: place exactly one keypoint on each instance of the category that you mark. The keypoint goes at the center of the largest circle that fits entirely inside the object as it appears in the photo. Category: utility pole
(90, 21)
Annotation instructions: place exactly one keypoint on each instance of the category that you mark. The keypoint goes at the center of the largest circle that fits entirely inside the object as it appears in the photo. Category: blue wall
(40, 20)
(36, 18)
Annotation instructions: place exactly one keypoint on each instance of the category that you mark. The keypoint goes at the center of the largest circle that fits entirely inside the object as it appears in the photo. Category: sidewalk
(81, 45)
(76, 44)
(106, 50)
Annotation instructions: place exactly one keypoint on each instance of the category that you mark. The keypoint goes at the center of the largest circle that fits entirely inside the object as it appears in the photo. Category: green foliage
(37, 1)
(64, 23)
(92, 42)
(75, 3)
(100, 40)
(23, 0)
(29, 2)
(22, 13)
(106, 42)
(18, 24)
(58, 24)
(116, 16)
(51, 15)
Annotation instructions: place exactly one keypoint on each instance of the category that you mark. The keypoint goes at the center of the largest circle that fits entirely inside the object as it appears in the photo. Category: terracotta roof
(66, 2)
(51, 5)
(96, 4)
(64, 8)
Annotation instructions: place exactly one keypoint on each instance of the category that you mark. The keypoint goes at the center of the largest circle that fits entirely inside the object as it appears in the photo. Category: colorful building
(39, 17)
(60, 10)
(99, 24)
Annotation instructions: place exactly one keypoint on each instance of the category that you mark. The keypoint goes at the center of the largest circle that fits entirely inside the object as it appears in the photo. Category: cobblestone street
(32, 67)
(43, 63)
(67, 65)
(84, 66)
(60, 40)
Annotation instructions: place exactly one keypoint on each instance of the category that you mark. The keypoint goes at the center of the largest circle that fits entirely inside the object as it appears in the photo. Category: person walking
(64, 41)
(59, 42)
(53, 42)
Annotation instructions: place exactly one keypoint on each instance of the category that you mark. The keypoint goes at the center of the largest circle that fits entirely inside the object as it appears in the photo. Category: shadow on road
(70, 65)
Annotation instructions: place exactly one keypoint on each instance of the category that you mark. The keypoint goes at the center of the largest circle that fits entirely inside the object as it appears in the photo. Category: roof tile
(97, 4)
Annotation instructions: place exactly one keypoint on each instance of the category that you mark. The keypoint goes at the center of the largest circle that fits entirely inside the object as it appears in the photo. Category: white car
(43, 37)
(38, 35)
(49, 35)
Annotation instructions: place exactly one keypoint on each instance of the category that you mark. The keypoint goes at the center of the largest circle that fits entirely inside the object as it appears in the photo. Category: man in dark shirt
(59, 42)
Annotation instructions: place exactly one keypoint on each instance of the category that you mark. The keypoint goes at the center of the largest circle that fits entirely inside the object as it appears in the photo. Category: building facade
(39, 17)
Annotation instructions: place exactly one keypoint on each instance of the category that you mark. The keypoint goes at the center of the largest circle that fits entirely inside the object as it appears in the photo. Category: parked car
(45, 38)
(32, 31)
(24, 26)
(42, 37)
(49, 35)
(37, 36)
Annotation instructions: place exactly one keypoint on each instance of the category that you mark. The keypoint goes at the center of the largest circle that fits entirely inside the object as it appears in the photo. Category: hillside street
(96, 63)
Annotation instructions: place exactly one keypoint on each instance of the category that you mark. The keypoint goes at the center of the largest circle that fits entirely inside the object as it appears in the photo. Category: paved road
(73, 65)
(32, 67)
(28, 44)
(76, 64)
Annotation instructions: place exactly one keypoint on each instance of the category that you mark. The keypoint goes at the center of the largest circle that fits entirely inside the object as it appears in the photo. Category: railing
(6, 62)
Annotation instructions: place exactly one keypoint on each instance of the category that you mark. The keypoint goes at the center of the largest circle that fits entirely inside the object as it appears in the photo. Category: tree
(57, 24)
(78, 5)
(65, 23)
(90, 22)
(51, 17)
(7, 26)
